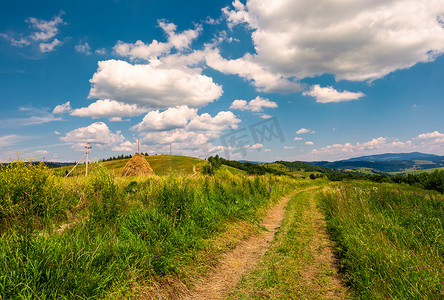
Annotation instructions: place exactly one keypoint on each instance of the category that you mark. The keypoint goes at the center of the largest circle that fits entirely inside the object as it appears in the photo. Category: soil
(234, 264)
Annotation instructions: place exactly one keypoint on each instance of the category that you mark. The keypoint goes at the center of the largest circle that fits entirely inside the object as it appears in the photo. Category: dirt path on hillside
(194, 171)
(320, 273)
(237, 262)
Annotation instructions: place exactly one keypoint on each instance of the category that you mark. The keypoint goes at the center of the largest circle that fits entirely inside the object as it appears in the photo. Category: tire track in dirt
(237, 262)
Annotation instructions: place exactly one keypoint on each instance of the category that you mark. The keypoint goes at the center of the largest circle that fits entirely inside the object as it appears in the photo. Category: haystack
(137, 166)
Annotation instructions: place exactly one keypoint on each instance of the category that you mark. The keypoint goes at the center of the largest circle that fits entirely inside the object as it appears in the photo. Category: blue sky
(253, 79)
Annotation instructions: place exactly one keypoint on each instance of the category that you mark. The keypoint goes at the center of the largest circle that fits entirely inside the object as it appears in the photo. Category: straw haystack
(137, 166)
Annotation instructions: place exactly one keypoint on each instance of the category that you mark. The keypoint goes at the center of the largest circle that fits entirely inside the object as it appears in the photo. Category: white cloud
(298, 139)
(83, 48)
(62, 108)
(141, 50)
(97, 133)
(431, 135)
(255, 105)
(126, 146)
(255, 146)
(309, 143)
(108, 109)
(152, 86)
(49, 47)
(267, 150)
(265, 116)
(101, 51)
(353, 40)
(46, 29)
(304, 130)
(186, 118)
(289, 147)
(172, 118)
(329, 94)
(246, 67)
(189, 132)
(21, 42)
(221, 121)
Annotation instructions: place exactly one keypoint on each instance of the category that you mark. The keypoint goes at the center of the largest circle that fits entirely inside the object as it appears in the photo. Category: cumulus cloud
(84, 48)
(126, 146)
(97, 133)
(304, 130)
(45, 29)
(257, 74)
(62, 108)
(152, 86)
(309, 143)
(186, 118)
(257, 146)
(49, 47)
(175, 117)
(298, 139)
(108, 109)
(178, 41)
(432, 135)
(255, 105)
(186, 129)
(329, 94)
(359, 41)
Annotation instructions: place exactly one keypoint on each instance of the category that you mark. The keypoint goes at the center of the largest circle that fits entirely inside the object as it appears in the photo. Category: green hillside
(161, 164)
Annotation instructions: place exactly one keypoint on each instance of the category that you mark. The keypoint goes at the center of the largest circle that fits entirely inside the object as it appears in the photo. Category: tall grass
(390, 239)
(119, 232)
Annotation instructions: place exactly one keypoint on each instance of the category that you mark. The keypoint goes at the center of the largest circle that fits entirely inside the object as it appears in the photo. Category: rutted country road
(237, 262)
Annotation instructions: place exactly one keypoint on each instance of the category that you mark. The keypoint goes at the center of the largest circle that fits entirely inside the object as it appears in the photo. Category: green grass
(120, 234)
(389, 238)
(283, 272)
(416, 172)
(161, 165)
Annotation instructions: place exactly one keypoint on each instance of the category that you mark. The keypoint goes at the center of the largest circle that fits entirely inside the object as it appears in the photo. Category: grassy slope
(416, 172)
(283, 168)
(123, 237)
(389, 238)
(161, 164)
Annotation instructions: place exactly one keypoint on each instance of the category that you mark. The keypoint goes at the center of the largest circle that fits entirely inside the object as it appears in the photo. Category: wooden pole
(87, 159)
(138, 151)
(75, 165)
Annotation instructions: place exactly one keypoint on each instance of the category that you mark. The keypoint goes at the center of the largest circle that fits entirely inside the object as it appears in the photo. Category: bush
(29, 194)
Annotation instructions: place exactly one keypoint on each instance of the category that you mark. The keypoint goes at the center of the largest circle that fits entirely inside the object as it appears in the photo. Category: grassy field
(416, 172)
(280, 167)
(110, 237)
(161, 165)
(389, 238)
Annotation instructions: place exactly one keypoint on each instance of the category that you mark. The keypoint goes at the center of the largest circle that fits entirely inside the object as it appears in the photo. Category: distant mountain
(387, 162)
(397, 156)
(252, 162)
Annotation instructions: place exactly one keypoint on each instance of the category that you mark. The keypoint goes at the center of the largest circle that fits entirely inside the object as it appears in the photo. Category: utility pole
(138, 151)
(87, 155)
(170, 148)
